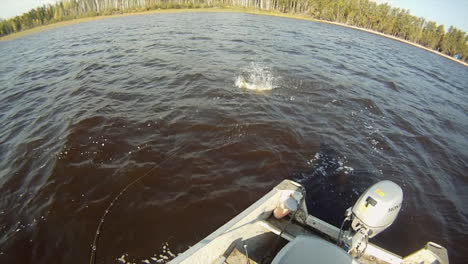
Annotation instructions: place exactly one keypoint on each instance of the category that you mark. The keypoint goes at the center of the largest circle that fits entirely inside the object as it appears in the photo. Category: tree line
(361, 13)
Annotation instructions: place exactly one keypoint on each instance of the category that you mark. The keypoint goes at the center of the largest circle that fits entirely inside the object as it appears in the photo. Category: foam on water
(324, 165)
(256, 77)
(163, 256)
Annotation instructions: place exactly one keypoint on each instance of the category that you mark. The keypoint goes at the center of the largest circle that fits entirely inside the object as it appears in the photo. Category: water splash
(256, 77)
(161, 257)
(326, 164)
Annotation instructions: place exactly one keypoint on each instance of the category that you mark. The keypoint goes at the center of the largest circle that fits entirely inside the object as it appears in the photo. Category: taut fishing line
(92, 259)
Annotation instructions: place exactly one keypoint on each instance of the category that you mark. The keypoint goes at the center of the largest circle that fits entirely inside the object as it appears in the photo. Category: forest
(361, 13)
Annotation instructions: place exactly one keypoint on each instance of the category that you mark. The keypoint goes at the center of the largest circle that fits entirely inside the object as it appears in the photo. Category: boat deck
(264, 242)
(255, 236)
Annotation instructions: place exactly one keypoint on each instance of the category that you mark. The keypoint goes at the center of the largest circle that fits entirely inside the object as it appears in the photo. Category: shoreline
(398, 39)
(216, 9)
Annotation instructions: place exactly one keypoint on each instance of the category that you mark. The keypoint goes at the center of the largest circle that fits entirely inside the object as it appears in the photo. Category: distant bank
(216, 9)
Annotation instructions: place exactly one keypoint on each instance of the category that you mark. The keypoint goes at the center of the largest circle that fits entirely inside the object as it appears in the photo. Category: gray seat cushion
(310, 250)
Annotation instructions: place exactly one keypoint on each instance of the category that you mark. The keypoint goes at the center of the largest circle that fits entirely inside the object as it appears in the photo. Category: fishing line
(109, 207)
(92, 259)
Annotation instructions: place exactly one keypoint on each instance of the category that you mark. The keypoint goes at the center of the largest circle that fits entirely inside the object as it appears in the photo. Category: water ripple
(88, 108)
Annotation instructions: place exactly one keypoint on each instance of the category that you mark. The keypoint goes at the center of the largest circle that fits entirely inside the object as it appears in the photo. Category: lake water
(225, 105)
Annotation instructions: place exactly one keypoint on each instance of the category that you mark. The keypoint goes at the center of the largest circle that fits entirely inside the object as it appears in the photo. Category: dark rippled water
(88, 108)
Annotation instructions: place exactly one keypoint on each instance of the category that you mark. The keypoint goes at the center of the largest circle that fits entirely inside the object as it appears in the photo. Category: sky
(11, 8)
(446, 12)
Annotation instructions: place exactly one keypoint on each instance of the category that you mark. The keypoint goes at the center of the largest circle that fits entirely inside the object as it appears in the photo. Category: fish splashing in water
(257, 78)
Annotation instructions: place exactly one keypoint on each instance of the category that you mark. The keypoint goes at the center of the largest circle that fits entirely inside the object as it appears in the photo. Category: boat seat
(310, 250)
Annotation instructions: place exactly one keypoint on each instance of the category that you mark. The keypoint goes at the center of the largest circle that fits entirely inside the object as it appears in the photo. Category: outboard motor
(375, 210)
